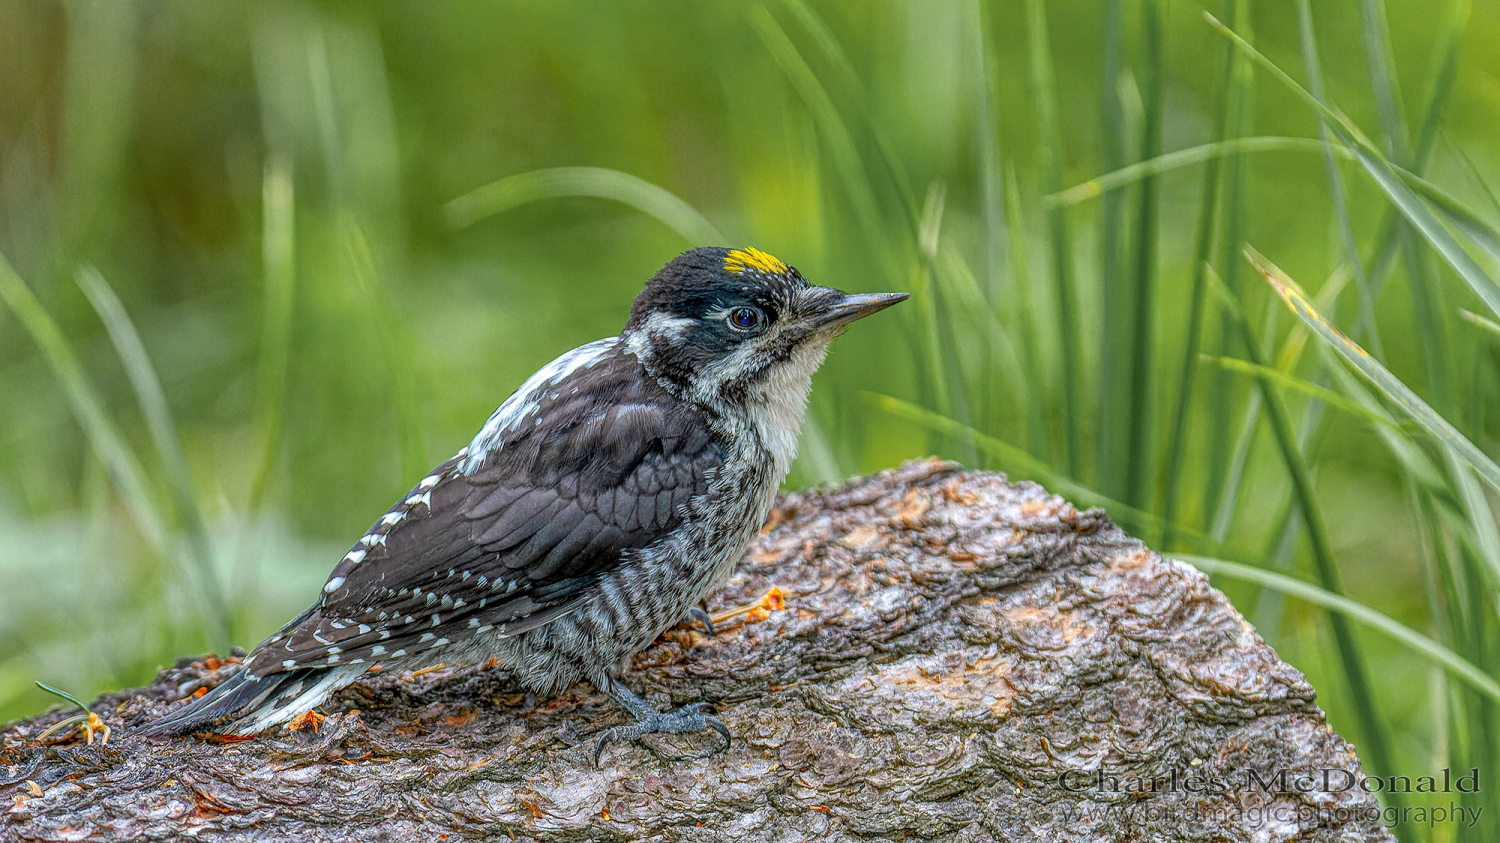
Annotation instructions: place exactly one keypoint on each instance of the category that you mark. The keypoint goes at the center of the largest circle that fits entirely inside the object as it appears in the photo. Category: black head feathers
(701, 281)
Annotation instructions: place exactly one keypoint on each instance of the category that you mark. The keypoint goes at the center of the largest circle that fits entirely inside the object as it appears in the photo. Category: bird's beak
(849, 307)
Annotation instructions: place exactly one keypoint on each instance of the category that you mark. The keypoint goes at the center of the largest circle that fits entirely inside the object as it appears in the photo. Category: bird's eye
(744, 318)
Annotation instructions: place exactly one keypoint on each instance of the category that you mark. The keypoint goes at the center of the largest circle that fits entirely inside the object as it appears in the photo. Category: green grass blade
(1044, 96)
(989, 375)
(1225, 506)
(1455, 665)
(1488, 324)
(1377, 374)
(941, 365)
(1361, 692)
(1377, 38)
(1475, 176)
(1019, 460)
(1327, 396)
(1143, 280)
(523, 188)
(86, 405)
(279, 263)
(1480, 519)
(1418, 465)
(1224, 509)
(828, 43)
(1285, 528)
(835, 132)
(1426, 296)
(1171, 479)
(1167, 162)
(1366, 325)
(1335, 120)
(987, 149)
(1112, 375)
(849, 78)
(1037, 401)
(1440, 84)
(1223, 478)
(1440, 566)
(153, 402)
(1282, 536)
(1429, 308)
(394, 343)
(1459, 215)
(1016, 458)
(1388, 180)
(815, 456)
(64, 694)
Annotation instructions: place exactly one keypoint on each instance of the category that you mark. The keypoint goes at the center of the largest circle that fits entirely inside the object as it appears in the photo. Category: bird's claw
(699, 614)
(694, 717)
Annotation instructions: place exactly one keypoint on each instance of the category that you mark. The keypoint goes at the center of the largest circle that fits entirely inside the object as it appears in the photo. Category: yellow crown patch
(754, 260)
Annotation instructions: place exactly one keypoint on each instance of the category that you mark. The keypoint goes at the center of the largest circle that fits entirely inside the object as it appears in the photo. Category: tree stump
(954, 657)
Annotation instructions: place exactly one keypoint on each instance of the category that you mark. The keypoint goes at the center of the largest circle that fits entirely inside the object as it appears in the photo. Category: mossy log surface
(957, 658)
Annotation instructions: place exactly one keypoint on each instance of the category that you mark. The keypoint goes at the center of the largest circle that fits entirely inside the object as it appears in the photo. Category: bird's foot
(701, 615)
(694, 717)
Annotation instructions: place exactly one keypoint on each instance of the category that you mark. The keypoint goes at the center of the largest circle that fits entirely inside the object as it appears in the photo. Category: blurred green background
(272, 262)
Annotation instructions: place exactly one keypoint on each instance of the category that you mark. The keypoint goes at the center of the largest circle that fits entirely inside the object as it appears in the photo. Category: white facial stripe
(521, 407)
(657, 325)
(666, 325)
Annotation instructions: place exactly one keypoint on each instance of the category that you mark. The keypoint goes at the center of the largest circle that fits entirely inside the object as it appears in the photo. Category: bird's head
(730, 326)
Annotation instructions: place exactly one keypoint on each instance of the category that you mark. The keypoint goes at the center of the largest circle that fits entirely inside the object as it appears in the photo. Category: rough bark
(951, 645)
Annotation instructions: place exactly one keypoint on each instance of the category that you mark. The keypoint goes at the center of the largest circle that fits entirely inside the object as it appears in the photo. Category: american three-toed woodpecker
(593, 510)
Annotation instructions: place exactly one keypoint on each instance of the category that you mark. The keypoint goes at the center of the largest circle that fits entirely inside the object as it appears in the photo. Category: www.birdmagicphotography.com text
(1291, 815)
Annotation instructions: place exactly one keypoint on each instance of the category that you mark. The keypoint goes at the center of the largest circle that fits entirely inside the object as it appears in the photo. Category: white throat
(778, 403)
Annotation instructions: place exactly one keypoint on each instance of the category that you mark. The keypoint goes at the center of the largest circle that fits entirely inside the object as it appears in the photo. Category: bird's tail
(246, 703)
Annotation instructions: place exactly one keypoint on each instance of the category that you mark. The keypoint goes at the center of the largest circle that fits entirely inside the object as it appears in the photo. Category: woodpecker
(595, 509)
